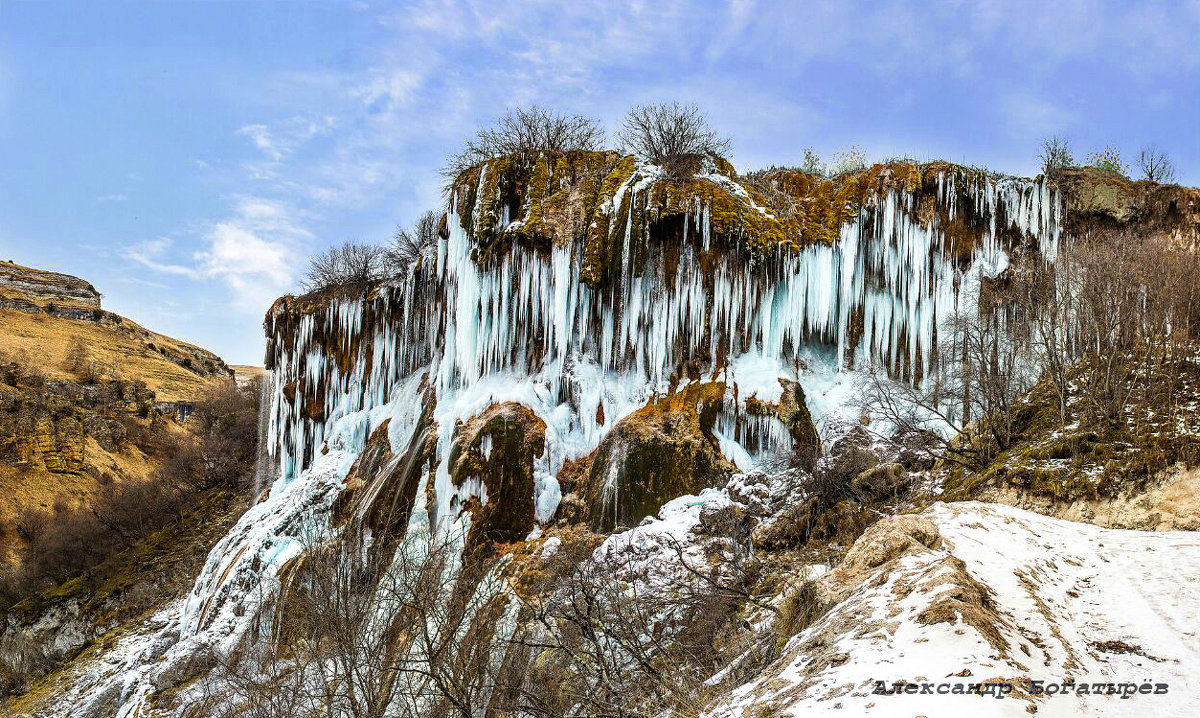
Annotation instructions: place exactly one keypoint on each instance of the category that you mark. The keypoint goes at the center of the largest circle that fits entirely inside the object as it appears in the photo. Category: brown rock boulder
(664, 450)
(498, 448)
(793, 412)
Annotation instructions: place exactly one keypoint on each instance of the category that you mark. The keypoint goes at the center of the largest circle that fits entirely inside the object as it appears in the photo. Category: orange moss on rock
(661, 451)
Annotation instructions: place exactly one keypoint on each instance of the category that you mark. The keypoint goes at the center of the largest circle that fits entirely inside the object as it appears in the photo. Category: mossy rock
(662, 451)
(498, 447)
(793, 412)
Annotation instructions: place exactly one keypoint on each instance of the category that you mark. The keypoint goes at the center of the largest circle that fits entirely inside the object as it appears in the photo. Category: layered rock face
(45, 425)
(46, 286)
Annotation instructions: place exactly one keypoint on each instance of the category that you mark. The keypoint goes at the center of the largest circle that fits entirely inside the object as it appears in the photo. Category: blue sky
(186, 157)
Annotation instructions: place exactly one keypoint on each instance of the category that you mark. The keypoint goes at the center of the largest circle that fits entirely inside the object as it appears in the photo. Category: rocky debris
(497, 449)
(42, 285)
(663, 450)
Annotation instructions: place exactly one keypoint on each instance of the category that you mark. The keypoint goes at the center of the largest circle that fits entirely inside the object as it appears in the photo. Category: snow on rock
(648, 555)
(974, 593)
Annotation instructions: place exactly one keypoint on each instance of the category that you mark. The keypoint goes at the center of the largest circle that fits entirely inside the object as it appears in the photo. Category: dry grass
(23, 487)
(46, 340)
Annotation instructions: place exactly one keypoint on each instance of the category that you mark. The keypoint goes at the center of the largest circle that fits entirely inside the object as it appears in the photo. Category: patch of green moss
(661, 451)
(1095, 457)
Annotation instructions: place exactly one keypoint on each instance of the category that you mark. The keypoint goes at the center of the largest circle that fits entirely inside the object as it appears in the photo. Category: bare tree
(1055, 154)
(410, 245)
(602, 647)
(674, 136)
(526, 132)
(350, 265)
(1156, 166)
(367, 633)
(852, 160)
(981, 375)
(813, 164)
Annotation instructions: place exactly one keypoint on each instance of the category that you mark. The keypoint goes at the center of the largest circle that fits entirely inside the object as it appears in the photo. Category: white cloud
(280, 141)
(115, 197)
(256, 269)
(252, 252)
(152, 253)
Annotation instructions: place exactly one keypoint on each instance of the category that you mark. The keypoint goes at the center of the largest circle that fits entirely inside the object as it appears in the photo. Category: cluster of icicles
(526, 329)
(528, 318)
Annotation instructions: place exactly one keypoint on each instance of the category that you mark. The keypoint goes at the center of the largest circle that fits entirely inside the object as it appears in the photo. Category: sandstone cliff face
(46, 424)
(46, 286)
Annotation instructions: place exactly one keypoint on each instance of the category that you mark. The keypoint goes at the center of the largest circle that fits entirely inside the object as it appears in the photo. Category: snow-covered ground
(1043, 599)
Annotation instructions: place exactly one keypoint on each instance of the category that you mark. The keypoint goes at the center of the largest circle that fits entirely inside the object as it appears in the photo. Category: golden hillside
(79, 388)
(44, 318)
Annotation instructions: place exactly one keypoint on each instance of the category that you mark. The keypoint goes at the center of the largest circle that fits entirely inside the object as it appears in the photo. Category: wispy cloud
(153, 254)
(252, 251)
(1031, 116)
(115, 197)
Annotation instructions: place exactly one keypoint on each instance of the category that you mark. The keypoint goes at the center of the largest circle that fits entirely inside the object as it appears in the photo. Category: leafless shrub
(813, 164)
(97, 371)
(852, 160)
(674, 136)
(32, 523)
(597, 648)
(357, 634)
(350, 265)
(526, 132)
(220, 448)
(1055, 154)
(1156, 166)
(77, 358)
(980, 376)
(410, 245)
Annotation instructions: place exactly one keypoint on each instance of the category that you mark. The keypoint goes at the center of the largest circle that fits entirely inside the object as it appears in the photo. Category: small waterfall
(265, 470)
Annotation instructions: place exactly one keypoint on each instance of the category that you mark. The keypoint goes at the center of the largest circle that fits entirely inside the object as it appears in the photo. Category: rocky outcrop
(663, 450)
(46, 286)
(1100, 200)
(493, 460)
(46, 424)
(1169, 501)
